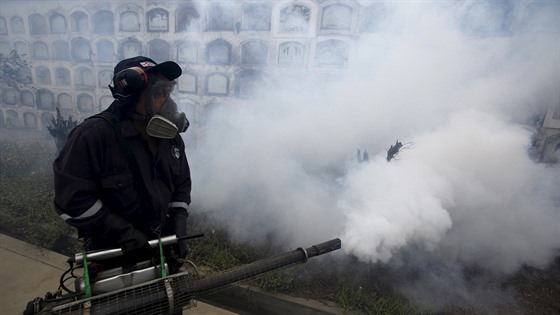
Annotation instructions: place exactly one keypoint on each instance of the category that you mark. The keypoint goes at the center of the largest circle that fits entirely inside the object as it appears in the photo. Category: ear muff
(128, 82)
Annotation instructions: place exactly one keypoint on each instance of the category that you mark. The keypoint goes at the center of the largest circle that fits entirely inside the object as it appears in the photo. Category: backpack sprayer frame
(98, 281)
(164, 295)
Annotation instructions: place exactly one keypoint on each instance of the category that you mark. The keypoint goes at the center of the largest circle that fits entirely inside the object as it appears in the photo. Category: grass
(352, 298)
(278, 281)
(27, 193)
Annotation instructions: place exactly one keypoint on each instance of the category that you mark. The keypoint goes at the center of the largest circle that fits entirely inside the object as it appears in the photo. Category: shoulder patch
(176, 152)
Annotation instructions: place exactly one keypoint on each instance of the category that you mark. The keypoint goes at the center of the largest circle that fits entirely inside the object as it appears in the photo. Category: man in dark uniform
(122, 177)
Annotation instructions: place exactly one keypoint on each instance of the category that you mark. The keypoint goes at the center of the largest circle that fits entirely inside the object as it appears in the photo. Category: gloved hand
(133, 242)
(179, 216)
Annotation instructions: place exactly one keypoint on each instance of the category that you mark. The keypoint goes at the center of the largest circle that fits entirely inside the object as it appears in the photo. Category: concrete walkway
(27, 272)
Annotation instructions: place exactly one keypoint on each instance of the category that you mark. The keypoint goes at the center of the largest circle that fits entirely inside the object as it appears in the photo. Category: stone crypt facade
(227, 49)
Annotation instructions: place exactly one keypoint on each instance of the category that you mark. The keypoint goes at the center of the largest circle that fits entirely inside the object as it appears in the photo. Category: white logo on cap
(147, 64)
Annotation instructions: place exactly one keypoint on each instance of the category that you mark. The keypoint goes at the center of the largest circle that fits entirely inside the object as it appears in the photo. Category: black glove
(133, 242)
(179, 216)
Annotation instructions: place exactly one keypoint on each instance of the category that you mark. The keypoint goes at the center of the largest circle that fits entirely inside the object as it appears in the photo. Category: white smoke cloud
(283, 167)
(467, 187)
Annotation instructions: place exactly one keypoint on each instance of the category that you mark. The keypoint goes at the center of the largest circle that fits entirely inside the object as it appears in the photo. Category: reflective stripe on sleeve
(88, 213)
(179, 204)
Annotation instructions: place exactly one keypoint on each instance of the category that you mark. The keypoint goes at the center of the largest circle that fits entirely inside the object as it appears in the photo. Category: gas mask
(169, 120)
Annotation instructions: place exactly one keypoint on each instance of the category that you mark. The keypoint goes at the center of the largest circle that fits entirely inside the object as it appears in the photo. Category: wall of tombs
(227, 49)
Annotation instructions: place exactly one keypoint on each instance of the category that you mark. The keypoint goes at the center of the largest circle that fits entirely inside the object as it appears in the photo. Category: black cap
(169, 69)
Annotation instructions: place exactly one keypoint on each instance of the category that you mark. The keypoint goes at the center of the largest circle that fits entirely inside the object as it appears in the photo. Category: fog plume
(283, 167)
